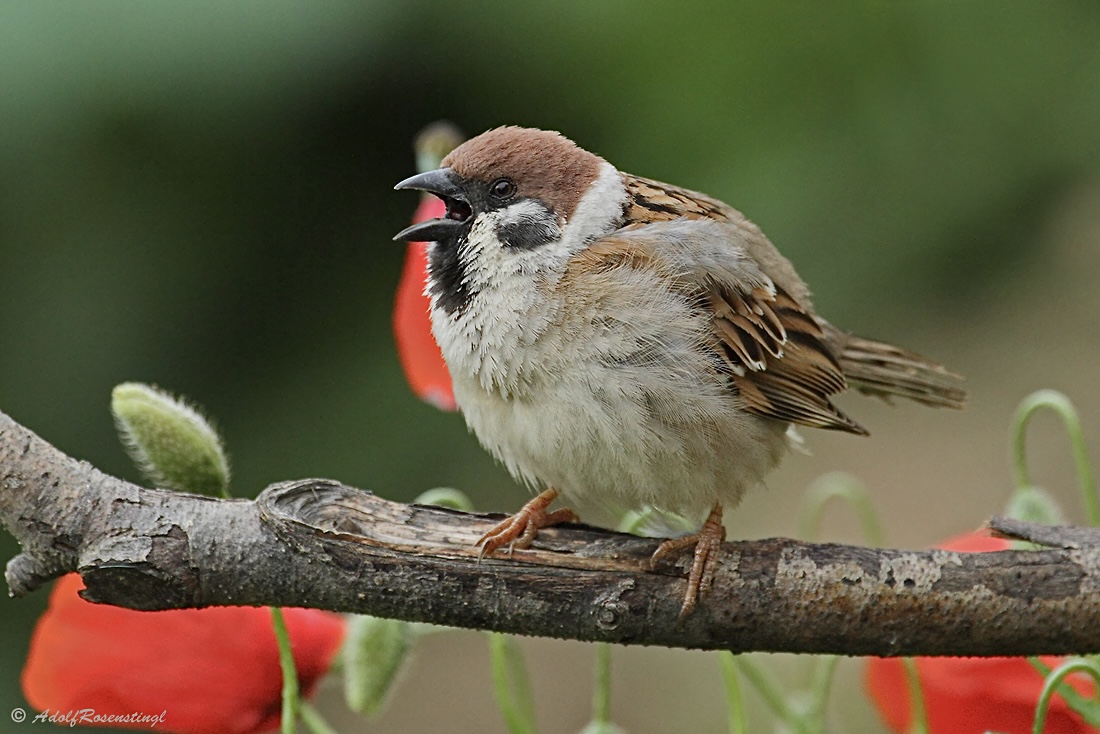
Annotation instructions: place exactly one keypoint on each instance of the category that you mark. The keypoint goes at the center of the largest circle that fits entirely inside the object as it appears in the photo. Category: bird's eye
(502, 189)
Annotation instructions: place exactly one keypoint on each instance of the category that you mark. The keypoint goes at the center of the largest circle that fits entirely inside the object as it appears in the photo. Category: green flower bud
(172, 444)
(373, 655)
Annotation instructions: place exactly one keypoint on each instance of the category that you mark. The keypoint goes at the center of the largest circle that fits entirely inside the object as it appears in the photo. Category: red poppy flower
(420, 356)
(210, 671)
(973, 695)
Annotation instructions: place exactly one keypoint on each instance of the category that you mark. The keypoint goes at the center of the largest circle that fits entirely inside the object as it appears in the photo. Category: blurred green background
(199, 195)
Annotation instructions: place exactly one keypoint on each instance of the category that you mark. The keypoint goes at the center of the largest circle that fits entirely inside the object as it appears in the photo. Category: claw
(519, 530)
(704, 562)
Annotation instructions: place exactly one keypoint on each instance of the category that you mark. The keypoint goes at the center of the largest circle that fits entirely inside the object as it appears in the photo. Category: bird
(616, 339)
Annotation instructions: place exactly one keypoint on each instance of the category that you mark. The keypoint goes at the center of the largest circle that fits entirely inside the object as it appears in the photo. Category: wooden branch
(1052, 536)
(318, 543)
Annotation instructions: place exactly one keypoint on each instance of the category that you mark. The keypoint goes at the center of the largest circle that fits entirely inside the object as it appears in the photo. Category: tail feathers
(886, 371)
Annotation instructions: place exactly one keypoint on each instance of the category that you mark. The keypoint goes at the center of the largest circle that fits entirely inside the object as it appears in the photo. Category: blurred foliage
(199, 194)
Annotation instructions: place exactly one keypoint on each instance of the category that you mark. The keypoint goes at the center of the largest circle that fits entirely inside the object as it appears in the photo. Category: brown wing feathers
(747, 328)
(783, 362)
(779, 363)
(653, 201)
(773, 350)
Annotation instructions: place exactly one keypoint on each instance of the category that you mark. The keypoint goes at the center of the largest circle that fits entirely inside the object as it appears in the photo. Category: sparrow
(616, 338)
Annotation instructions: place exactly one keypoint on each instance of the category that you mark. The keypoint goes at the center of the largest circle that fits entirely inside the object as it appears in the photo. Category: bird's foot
(703, 564)
(518, 530)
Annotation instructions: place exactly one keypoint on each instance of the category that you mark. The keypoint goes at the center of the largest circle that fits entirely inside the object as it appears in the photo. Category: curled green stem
(852, 492)
(1059, 674)
(1060, 404)
(1088, 708)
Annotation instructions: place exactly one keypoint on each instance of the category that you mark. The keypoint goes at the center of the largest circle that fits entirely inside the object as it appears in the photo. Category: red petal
(972, 695)
(210, 670)
(977, 542)
(416, 346)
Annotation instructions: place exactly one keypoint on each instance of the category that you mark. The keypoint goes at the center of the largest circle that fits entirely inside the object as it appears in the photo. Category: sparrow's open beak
(448, 186)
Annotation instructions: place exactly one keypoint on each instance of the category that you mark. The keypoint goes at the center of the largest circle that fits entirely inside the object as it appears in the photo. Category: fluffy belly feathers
(609, 439)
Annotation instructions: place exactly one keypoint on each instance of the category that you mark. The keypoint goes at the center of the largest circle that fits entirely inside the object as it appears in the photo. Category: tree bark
(318, 543)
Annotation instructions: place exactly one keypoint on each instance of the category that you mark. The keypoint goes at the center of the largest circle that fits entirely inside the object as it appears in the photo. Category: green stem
(853, 493)
(822, 680)
(601, 695)
(290, 672)
(1075, 665)
(919, 723)
(313, 719)
(767, 687)
(1089, 709)
(1061, 405)
(733, 692)
(512, 687)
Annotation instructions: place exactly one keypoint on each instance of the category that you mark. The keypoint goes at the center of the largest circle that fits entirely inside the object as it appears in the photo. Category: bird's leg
(704, 562)
(519, 530)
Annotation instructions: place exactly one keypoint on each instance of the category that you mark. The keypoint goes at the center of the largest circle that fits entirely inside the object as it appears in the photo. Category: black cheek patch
(448, 276)
(530, 231)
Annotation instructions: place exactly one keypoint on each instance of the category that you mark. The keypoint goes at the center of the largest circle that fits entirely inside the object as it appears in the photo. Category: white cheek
(599, 211)
(522, 211)
(489, 263)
